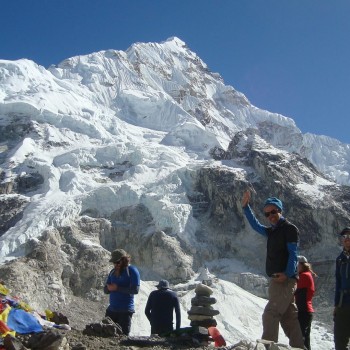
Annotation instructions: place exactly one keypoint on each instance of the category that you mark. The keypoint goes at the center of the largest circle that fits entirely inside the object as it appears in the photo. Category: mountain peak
(176, 41)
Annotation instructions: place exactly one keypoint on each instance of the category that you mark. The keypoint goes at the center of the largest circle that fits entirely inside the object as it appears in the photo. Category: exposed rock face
(279, 174)
(69, 262)
(11, 210)
(17, 130)
(132, 228)
(254, 283)
(59, 266)
(224, 228)
(28, 182)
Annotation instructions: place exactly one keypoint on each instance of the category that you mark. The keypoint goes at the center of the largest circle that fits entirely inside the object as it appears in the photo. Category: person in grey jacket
(160, 308)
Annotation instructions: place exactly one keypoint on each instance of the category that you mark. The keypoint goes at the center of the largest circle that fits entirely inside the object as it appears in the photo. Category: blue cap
(274, 201)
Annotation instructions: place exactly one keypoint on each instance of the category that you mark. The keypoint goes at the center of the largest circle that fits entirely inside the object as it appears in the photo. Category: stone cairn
(202, 312)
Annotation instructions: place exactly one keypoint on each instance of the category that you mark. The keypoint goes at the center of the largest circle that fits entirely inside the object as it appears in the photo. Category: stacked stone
(202, 312)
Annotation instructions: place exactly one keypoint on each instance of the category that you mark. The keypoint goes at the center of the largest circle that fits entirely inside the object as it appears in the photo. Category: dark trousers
(305, 319)
(122, 318)
(161, 329)
(341, 327)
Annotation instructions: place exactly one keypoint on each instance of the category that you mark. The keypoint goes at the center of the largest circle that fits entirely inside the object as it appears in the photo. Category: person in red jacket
(303, 298)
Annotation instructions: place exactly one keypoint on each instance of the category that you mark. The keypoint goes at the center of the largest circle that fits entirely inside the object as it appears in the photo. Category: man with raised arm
(281, 268)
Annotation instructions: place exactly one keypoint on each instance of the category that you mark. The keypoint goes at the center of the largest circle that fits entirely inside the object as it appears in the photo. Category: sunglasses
(268, 213)
(347, 236)
(118, 262)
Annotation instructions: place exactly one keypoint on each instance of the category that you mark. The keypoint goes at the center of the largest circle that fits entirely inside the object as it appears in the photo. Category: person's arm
(253, 221)
(292, 263)
(148, 307)
(337, 284)
(108, 282)
(310, 287)
(177, 313)
(292, 240)
(337, 288)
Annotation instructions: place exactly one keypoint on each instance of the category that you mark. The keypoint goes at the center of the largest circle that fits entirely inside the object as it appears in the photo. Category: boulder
(105, 328)
(203, 290)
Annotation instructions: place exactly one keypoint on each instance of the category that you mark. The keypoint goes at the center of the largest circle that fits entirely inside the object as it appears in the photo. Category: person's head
(163, 284)
(304, 265)
(345, 238)
(120, 258)
(273, 209)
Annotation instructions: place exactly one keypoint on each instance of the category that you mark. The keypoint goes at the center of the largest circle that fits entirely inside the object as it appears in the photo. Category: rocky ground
(94, 335)
(83, 316)
(88, 334)
(78, 340)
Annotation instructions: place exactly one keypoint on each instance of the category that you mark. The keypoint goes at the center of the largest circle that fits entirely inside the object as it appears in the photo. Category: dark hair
(124, 263)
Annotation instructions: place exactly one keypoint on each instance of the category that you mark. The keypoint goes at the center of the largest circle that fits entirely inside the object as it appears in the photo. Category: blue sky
(289, 57)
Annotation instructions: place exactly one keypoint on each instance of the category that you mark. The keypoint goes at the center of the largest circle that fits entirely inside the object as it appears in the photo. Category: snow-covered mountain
(150, 151)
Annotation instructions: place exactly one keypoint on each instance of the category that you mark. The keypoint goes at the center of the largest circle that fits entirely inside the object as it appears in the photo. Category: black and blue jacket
(342, 279)
(160, 307)
(282, 244)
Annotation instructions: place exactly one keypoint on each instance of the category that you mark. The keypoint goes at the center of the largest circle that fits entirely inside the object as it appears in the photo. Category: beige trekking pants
(282, 309)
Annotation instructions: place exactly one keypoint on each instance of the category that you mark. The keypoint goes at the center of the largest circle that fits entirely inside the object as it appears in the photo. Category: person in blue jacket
(281, 267)
(342, 294)
(122, 284)
(160, 308)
